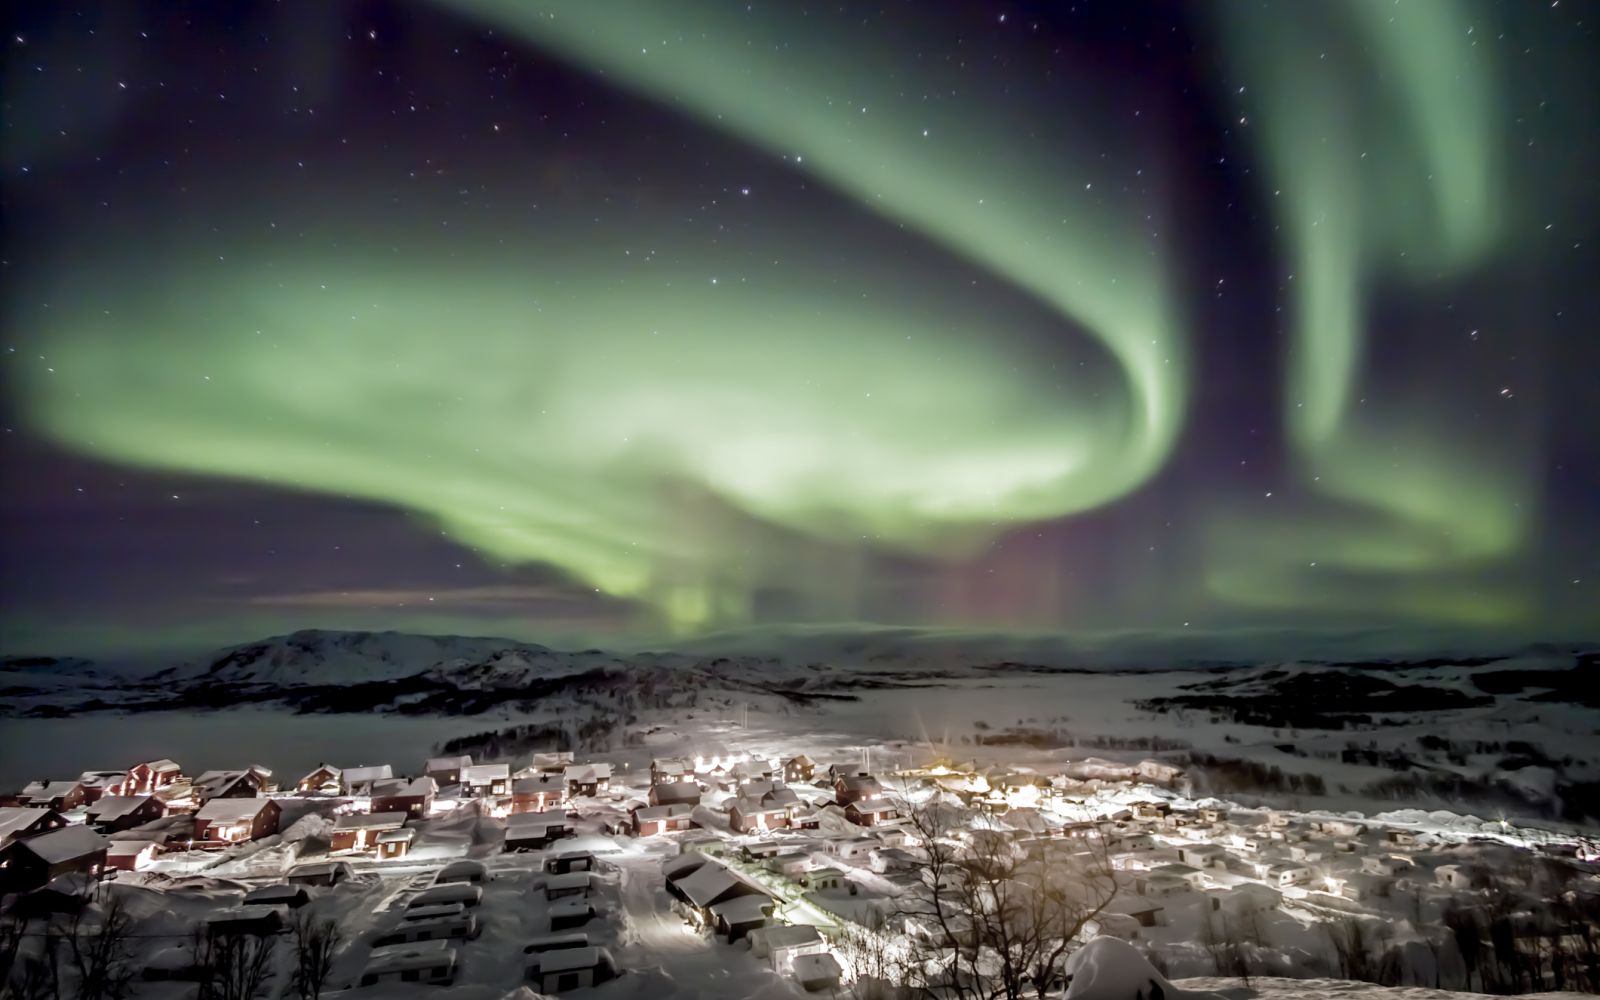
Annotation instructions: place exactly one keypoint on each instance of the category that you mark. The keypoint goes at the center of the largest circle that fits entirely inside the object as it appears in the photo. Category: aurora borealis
(630, 321)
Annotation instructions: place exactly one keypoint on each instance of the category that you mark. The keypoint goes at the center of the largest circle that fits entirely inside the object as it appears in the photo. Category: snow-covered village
(767, 871)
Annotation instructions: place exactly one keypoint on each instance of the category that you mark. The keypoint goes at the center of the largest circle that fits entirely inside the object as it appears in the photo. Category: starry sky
(628, 322)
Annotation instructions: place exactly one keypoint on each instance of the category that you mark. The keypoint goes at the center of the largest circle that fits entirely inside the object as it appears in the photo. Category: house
(826, 880)
(395, 843)
(324, 779)
(869, 812)
(254, 921)
(588, 779)
(846, 770)
(234, 821)
(359, 780)
(894, 859)
(1213, 814)
(750, 816)
(569, 885)
(789, 864)
(31, 863)
(1149, 810)
(1403, 838)
(558, 970)
(486, 779)
(848, 788)
(539, 793)
(359, 831)
(1244, 899)
(534, 831)
(1203, 855)
(817, 972)
(706, 884)
(570, 861)
(664, 770)
(1284, 875)
(447, 770)
(652, 820)
(320, 873)
(412, 796)
(1140, 909)
(782, 944)
(1157, 886)
(853, 847)
(124, 812)
(132, 855)
(62, 796)
(21, 822)
(665, 793)
(897, 835)
(246, 784)
(1359, 886)
(1453, 876)
(799, 769)
(1308, 853)
(734, 919)
(151, 776)
(431, 962)
(1194, 877)
(100, 783)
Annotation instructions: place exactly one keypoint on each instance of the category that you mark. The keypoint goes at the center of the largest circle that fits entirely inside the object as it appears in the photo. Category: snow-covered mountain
(319, 656)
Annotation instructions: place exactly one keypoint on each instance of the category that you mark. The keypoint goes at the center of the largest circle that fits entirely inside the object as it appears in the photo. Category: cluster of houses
(780, 852)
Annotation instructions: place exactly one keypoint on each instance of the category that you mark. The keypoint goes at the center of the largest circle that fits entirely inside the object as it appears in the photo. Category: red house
(651, 820)
(539, 793)
(22, 822)
(62, 796)
(234, 821)
(412, 796)
(124, 812)
(865, 813)
(151, 776)
(848, 788)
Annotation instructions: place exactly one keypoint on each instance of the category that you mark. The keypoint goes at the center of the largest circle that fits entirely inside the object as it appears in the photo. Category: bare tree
(233, 966)
(315, 943)
(1468, 935)
(996, 921)
(98, 950)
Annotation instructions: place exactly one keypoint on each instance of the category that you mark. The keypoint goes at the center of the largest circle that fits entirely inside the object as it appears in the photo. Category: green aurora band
(1376, 187)
(682, 443)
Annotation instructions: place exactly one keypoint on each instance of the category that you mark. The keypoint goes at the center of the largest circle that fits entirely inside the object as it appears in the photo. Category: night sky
(620, 321)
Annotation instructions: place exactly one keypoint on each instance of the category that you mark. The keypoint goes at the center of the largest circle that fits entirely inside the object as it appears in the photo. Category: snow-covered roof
(525, 823)
(706, 883)
(162, 766)
(440, 911)
(742, 909)
(128, 848)
(14, 819)
(370, 821)
(112, 807)
(418, 955)
(538, 783)
(671, 810)
(585, 774)
(819, 967)
(63, 845)
(787, 935)
(50, 789)
(405, 787)
(100, 779)
(569, 880)
(361, 775)
(231, 810)
(448, 763)
(551, 942)
(404, 835)
(333, 772)
(569, 959)
(483, 774)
